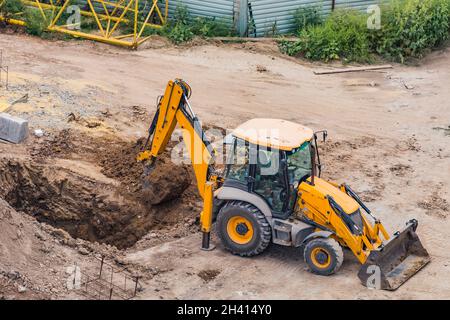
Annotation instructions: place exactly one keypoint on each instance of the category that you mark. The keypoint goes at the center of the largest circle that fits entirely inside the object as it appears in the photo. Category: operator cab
(270, 158)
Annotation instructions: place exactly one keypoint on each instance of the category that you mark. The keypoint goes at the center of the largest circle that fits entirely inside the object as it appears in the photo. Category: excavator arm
(174, 109)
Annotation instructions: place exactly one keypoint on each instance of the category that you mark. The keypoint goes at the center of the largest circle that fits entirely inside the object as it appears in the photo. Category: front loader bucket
(391, 265)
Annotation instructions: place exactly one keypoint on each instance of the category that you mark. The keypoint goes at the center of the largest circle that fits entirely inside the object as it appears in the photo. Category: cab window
(270, 180)
(238, 165)
(299, 164)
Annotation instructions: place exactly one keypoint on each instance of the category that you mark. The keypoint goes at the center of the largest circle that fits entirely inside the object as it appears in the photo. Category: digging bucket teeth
(391, 265)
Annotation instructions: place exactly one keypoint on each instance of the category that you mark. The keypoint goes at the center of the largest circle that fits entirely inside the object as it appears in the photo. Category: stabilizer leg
(206, 217)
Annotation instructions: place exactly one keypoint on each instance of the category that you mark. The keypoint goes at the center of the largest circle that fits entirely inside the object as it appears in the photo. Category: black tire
(262, 232)
(323, 256)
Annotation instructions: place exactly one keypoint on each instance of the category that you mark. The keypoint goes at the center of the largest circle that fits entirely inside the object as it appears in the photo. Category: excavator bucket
(391, 265)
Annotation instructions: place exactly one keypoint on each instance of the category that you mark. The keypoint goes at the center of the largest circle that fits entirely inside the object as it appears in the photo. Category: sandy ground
(388, 139)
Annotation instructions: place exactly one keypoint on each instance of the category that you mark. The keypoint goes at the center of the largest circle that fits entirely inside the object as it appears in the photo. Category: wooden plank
(353, 69)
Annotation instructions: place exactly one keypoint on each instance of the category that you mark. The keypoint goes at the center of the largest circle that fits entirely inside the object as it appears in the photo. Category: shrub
(180, 33)
(35, 23)
(126, 28)
(88, 24)
(11, 7)
(178, 30)
(210, 27)
(181, 14)
(307, 16)
(183, 27)
(342, 36)
(272, 31)
(409, 28)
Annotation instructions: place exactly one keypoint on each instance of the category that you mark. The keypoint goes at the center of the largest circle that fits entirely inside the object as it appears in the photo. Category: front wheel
(243, 229)
(323, 256)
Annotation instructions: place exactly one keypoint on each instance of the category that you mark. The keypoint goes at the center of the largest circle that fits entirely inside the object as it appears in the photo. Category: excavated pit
(84, 207)
(97, 196)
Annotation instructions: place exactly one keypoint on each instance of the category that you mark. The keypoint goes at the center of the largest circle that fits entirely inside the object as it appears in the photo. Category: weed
(35, 23)
(89, 23)
(184, 27)
(342, 36)
(273, 30)
(412, 27)
(10, 8)
(409, 28)
(180, 33)
(210, 27)
(307, 16)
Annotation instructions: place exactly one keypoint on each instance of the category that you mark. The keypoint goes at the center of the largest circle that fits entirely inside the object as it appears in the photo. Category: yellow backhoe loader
(271, 191)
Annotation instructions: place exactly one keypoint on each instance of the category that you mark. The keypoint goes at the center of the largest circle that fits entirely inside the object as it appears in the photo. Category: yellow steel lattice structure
(118, 22)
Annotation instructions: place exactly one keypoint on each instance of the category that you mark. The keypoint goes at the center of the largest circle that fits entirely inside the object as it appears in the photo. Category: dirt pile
(85, 207)
(92, 187)
(53, 146)
(117, 159)
(29, 263)
(35, 258)
(165, 181)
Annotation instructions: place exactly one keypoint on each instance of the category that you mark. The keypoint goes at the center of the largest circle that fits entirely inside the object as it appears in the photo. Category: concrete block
(13, 129)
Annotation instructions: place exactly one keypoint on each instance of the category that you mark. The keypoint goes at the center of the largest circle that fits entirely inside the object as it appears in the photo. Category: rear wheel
(323, 256)
(243, 229)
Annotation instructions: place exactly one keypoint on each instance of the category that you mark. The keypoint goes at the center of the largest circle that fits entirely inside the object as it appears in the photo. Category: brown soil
(87, 208)
(32, 261)
(386, 141)
(100, 197)
(436, 205)
(208, 275)
(165, 182)
(117, 159)
(400, 170)
(161, 182)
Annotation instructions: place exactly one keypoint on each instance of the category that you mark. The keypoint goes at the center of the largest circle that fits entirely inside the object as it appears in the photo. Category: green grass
(409, 29)
(10, 8)
(343, 35)
(35, 23)
(307, 16)
(183, 27)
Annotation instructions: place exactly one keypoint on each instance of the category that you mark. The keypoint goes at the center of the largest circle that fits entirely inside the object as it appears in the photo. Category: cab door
(270, 180)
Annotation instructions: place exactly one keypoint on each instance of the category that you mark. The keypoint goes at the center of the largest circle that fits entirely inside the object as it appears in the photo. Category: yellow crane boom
(174, 109)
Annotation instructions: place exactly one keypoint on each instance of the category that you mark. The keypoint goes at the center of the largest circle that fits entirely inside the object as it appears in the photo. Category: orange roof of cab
(274, 133)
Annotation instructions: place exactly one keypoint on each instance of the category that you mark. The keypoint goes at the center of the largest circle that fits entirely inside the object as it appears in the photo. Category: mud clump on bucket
(165, 182)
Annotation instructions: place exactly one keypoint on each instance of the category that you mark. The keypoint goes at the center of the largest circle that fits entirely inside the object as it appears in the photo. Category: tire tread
(265, 229)
(336, 249)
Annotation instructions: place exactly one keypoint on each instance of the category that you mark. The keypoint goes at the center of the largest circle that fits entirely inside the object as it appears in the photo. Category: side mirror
(324, 135)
